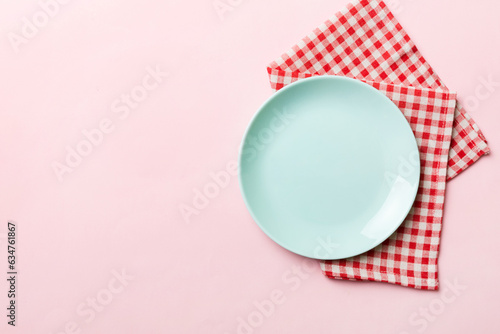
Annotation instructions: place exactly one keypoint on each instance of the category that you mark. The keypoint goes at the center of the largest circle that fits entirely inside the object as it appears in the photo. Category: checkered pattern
(409, 256)
(364, 41)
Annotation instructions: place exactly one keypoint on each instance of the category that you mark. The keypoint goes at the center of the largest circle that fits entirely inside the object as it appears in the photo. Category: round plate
(329, 167)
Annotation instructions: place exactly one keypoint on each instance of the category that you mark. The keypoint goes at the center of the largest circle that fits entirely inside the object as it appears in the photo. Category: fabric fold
(364, 41)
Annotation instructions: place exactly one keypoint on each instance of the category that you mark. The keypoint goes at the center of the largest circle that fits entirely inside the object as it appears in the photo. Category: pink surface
(105, 249)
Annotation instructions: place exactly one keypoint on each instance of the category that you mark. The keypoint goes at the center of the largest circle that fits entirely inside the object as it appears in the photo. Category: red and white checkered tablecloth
(364, 41)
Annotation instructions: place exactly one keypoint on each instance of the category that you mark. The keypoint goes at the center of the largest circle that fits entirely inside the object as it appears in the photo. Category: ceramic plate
(329, 167)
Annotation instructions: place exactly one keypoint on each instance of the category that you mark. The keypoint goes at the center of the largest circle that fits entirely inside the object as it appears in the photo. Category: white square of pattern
(322, 27)
(347, 61)
(309, 55)
(390, 26)
(393, 76)
(374, 74)
(336, 69)
(317, 66)
(370, 23)
(438, 103)
(376, 54)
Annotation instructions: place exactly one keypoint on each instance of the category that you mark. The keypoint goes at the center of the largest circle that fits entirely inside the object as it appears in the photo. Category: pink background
(119, 209)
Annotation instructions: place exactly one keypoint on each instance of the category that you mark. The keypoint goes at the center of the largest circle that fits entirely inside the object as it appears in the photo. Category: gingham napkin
(364, 41)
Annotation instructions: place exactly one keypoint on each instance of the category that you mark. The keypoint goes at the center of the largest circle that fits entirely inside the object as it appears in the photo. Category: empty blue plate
(329, 167)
